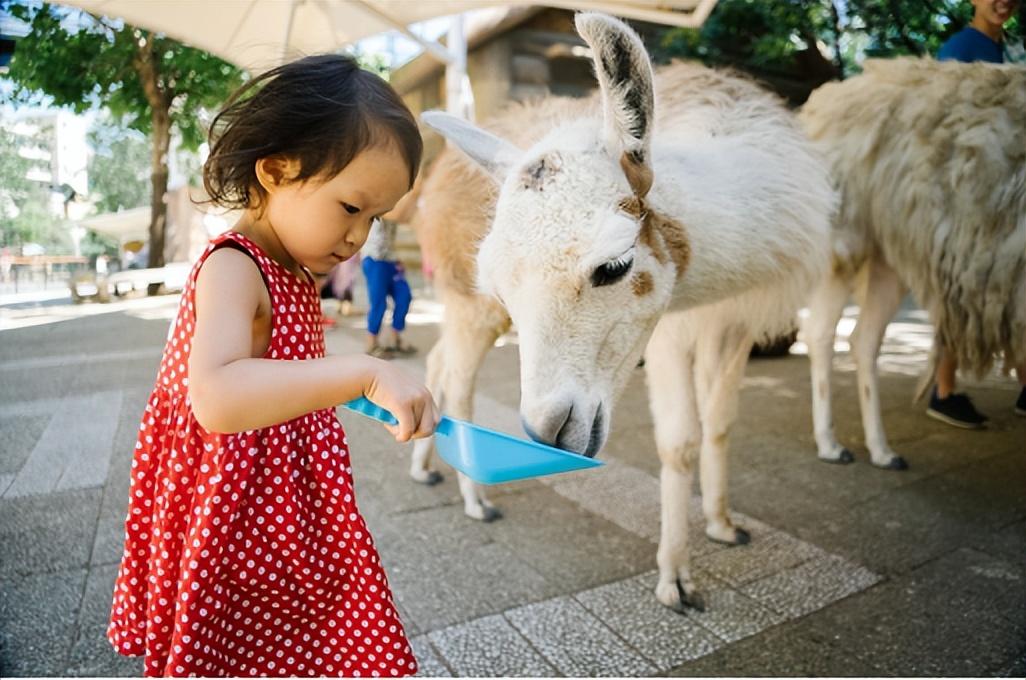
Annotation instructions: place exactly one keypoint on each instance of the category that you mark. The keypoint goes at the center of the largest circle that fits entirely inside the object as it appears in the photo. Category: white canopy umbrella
(125, 225)
(258, 34)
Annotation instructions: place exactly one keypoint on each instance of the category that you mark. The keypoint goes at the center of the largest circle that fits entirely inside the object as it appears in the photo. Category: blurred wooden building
(513, 54)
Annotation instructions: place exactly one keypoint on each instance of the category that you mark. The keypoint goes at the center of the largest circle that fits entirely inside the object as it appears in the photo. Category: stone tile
(765, 555)
(630, 498)
(439, 588)
(761, 493)
(783, 651)
(409, 625)
(810, 585)
(94, 424)
(664, 637)
(38, 614)
(958, 615)
(1007, 542)
(439, 529)
(99, 592)
(96, 334)
(981, 488)
(632, 445)
(133, 405)
(92, 656)
(428, 663)
(575, 642)
(489, 646)
(109, 542)
(20, 436)
(1014, 669)
(46, 533)
(5, 481)
(729, 614)
(571, 549)
(904, 528)
(843, 486)
(622, 494)
(74, 450)
(28, 387)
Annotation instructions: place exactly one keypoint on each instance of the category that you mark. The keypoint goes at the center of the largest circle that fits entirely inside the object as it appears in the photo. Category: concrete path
(852, 570)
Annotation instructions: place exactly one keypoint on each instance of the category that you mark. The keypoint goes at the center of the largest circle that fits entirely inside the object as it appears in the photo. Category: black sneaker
(1020, 404)
(955, 410)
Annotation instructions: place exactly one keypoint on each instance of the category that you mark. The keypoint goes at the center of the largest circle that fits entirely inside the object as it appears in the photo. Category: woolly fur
(930, 160)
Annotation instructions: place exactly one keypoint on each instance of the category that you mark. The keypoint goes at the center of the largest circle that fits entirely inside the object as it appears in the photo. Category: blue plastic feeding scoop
(484, 455)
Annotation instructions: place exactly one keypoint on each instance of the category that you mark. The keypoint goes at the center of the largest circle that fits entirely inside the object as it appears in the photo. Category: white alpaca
(604, 241)
(930, 158)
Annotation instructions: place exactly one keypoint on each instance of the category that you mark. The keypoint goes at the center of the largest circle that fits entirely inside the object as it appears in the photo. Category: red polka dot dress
(245, 554)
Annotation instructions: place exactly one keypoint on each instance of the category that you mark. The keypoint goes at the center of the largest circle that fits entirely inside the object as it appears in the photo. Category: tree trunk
(836, 18)
(159, 98)
(158, 179)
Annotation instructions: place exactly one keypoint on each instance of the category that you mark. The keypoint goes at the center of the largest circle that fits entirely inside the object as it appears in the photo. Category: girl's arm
(231, 391)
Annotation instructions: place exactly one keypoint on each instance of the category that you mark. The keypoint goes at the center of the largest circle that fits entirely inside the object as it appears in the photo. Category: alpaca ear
(495, 155)
(624, 73)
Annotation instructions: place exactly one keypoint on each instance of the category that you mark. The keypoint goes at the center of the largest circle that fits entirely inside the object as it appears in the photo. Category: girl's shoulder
(230, 275)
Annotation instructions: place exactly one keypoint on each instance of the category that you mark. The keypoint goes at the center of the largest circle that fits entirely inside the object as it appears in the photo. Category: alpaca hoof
(679, 597)
(430, 478)
(483, 513)
(895, 463)
(843, 458)
(736, 536)
(688, 601)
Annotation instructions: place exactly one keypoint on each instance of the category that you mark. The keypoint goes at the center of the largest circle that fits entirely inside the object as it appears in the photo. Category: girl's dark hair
(322, 110)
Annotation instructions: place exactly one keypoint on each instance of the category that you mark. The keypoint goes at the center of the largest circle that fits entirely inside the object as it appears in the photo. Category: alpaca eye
(611, 272)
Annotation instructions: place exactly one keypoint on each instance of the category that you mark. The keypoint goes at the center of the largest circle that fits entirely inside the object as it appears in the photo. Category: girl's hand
(407, 399)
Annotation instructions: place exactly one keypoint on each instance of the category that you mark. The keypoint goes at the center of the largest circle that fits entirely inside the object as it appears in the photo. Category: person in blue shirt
(981, 40)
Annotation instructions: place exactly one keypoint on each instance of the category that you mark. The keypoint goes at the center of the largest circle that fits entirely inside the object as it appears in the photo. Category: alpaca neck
(714, 262)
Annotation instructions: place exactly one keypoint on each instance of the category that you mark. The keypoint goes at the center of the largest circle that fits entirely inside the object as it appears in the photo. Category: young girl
(245, 553)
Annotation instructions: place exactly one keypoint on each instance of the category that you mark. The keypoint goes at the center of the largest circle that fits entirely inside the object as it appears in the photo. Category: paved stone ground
(852, 570)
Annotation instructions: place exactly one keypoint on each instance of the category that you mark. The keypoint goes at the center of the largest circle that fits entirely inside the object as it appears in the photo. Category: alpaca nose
(546, 428)
(568, 428)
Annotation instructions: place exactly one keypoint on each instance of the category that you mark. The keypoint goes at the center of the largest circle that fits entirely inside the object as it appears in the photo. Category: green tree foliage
(118, 167)
(371, 61)
(149, 82)
(15, 187)
(795, 45)
(35, 223)
(25, 215)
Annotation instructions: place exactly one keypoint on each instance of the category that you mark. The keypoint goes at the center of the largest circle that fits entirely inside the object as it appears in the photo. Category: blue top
(970, 44)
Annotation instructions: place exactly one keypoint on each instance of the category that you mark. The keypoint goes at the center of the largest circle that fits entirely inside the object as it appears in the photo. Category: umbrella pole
(459, 97)
(288, 32)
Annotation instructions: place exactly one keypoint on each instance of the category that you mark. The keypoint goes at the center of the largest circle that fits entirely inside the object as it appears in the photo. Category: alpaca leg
(471, 326)
(420, 462)
(720, 363)
(879, 298)
(677, 433)
(825, 311)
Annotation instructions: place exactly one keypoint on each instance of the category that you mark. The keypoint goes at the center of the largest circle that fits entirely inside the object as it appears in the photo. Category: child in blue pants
(386, 278)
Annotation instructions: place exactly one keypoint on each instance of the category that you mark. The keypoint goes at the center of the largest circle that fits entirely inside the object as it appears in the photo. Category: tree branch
(836, 17)
(899, 21)
(145, 66)
(956, 21)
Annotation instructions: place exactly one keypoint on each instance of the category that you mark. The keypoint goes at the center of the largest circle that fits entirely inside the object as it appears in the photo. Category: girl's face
(321, 222)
